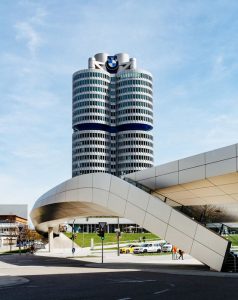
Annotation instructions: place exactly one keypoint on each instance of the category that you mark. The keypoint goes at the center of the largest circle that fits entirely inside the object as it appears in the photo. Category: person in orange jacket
(174, 252)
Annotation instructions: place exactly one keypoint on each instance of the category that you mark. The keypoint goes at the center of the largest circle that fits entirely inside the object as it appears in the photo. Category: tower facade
(112, 116)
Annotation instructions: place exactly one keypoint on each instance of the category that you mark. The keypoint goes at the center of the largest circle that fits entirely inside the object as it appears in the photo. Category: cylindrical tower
(134, 121)
(91, 121)
(112, 116)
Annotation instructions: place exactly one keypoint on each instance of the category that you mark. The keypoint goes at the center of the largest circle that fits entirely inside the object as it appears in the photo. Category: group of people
(177, 253)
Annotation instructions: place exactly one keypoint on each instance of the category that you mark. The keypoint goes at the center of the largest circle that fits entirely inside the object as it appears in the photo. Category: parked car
(39, 245)
(148, 247)
(167, 248)
(128, 249)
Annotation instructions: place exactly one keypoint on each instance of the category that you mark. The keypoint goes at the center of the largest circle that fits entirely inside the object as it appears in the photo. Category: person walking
(180, 254)
(174, 253)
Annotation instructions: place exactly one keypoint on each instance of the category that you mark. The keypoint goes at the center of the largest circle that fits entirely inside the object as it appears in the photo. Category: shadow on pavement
(121, 285)
(34, 260)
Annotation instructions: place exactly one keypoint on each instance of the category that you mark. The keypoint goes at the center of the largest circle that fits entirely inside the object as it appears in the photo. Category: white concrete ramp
(63, 245)
(101, 194)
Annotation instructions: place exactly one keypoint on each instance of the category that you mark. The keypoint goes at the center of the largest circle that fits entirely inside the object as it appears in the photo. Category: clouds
(26, 32)
(190, 48)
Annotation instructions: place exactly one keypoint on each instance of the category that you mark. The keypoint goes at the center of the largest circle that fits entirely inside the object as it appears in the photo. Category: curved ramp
(102, 194)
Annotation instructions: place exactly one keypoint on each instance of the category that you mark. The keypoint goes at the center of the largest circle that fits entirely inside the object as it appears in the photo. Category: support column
(51, 238)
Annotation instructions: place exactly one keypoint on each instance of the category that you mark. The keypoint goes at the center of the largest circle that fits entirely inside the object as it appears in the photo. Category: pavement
(15, 268)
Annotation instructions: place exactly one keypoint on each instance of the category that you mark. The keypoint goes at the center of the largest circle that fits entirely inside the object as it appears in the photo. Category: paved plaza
(53, 276)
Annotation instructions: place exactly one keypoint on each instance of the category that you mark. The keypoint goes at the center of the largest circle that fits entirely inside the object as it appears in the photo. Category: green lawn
(84, 239)
(233, 238)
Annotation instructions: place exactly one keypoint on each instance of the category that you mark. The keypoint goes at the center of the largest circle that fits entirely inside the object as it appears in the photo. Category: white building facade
(112, 117)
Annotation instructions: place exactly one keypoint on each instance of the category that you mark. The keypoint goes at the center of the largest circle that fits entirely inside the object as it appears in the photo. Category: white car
(167, 248)
(148, 247)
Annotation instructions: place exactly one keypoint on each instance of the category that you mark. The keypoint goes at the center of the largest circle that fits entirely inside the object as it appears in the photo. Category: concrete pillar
(51, 238)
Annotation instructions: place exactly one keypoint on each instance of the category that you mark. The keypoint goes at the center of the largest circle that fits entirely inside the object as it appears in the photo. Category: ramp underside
(102, 194)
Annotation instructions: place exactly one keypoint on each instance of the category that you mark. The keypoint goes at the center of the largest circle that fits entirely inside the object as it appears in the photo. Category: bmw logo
(112, 64)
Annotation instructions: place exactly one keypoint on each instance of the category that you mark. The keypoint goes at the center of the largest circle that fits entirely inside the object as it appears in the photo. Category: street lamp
(20, 227)
(73, 249)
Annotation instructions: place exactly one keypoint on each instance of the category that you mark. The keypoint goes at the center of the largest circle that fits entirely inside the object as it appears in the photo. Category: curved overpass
(101, 194)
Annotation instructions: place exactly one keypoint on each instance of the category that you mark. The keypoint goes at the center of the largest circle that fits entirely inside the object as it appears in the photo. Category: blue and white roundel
(112, 64)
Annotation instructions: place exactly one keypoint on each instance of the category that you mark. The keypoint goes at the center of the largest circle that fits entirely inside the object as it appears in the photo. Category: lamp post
(20, 227)
(118, 237)
(73, 249)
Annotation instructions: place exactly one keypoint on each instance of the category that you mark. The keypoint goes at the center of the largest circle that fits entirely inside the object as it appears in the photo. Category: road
(63, 279)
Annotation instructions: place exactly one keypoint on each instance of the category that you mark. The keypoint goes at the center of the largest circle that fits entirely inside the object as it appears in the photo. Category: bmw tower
(112, 116)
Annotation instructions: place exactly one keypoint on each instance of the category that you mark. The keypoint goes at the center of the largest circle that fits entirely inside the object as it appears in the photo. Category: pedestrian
(180, 254)
(143, 239)
(174, 253)
(32, 249)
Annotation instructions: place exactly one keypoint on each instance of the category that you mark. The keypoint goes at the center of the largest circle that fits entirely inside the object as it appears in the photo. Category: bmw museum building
(113, 172)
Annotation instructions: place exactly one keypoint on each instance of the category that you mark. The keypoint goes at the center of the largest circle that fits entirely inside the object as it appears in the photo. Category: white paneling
(159, 209)
(189, 175)
(207, 192)
(100, 197)
(230, 188)
(207, 256)
(192, 161)
(138, 197)
(171, 189)
(150, 183)
(221, 167)
(134, 213)
(179, 239)
(116, 204)
(183, 223)
(49, 200)
(220, 154)
(119, 187)
(86, 194)
(45, 201)
(72, 195)
(197, 184)
(101, 181)
(60, 197)
(180, 196)
(235, 196)
(224, 179)
(131, 176)
(193, 201)
(147, 173)
(155, 225)
(72, 183)
(170, 167)
(167, 180)
(61, 187)
(85, 181)
(224, 199)
(211, 240)
(50, 193)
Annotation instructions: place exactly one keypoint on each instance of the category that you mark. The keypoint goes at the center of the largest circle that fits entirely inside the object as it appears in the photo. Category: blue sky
(189, 46)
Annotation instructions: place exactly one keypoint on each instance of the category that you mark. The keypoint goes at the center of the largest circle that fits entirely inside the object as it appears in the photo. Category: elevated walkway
(101, 194)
